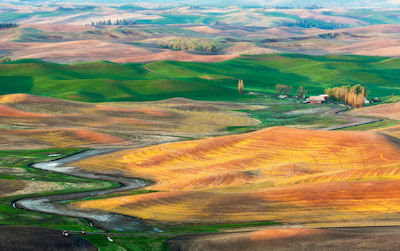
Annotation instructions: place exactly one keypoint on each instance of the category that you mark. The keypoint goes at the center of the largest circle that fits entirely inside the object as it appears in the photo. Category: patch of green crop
(106, 81)
(20, 160)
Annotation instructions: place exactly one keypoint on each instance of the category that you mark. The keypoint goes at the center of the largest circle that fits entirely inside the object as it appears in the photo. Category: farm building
(321, 99)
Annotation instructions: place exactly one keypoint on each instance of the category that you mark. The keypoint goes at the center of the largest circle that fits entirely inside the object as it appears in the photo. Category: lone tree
(240, 86)
(301, 92)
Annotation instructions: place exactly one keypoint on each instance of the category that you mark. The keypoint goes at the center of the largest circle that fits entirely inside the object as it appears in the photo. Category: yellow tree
(240, 86)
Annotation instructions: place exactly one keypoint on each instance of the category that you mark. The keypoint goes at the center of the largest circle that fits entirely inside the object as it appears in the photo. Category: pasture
(106, 81)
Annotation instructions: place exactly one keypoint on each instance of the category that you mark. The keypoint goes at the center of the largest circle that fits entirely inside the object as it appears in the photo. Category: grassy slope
(19, 160)
(105, 81)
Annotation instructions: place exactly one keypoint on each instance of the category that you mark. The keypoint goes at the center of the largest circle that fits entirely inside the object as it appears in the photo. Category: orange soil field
(283, 174)
(29, 121)
(393, 131)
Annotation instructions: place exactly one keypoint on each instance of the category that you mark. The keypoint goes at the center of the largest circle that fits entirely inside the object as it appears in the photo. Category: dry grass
(10, 186)
(18, 187)
(279, 173)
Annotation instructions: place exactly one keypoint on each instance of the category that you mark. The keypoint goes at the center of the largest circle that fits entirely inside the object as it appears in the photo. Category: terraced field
(29, 121)
(282, 174)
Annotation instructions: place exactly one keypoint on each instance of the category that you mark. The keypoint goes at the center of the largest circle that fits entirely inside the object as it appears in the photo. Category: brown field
(358, 238)
(72, 51)
(17, 187)
(69, 40)
(39, 122)
(177, 56)
(390, 111)
(204, 29)
(376, 47)
(282, 174)
(10, 186)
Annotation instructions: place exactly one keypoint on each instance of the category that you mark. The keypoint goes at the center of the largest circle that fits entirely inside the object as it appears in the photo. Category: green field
(18, 161)
(106, 81)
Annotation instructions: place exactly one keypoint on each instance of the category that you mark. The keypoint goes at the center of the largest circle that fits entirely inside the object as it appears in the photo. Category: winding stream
(101, 219)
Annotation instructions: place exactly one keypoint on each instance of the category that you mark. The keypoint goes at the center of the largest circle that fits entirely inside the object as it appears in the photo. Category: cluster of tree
(301, 92)
(117, 22)
(240, 86)
(4, 59)
(190, 44)
(283, 89)
(312, 23)
(287, 89)
(351, 95)
(8, 25)
(78, 8)
(219, 23)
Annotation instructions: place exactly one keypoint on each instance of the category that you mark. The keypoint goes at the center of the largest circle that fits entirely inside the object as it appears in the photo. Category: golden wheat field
(280, 173)
(29, 121)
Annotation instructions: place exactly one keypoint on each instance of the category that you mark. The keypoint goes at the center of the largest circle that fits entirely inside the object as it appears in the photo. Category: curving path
(104, 220)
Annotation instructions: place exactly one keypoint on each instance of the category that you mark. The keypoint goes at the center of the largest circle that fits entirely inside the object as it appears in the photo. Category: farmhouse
(321, 99)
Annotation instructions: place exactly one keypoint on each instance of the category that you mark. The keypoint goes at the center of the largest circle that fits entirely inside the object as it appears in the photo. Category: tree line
(312, 23)
(117, 22)
(190, 44)
(287, 89)
(8, 25)
(351, 95)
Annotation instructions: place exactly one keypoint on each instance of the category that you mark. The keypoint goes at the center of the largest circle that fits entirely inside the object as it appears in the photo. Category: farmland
(30, 121)
(106, 81)
(263, 172)
(199, 126)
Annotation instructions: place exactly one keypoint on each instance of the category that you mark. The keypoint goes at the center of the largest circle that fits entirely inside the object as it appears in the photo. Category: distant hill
(295, 3)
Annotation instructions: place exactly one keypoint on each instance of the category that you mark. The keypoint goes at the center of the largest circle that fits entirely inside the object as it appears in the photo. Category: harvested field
(72, 51)
(393, 131)
(30, 121)
(60, 138)
(390, 111)
(10, 186)
(366, 238)
(203, 29)
(178, 56)
(281, 174)
(17, 187)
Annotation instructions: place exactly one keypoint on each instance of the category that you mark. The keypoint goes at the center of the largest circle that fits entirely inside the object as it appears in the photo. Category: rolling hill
(106, 81)
(281, 174)
(29, 121)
